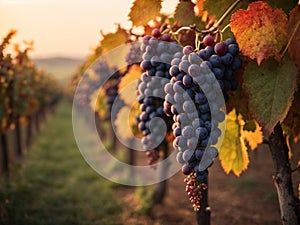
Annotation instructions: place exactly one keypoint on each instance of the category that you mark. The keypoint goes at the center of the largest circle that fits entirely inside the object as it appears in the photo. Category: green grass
(54, 185)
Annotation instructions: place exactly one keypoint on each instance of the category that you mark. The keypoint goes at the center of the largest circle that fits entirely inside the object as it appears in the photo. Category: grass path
(55, 185)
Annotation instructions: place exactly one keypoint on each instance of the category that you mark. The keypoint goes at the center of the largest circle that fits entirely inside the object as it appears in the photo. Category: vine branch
(290, 40)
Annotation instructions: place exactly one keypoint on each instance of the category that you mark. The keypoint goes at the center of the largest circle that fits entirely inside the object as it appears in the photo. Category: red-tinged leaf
(185, 14)
(294, 30)
(142, 11)
(199, 7)
(113, 40)
(270, 88)
(260, 31)
(233, 153)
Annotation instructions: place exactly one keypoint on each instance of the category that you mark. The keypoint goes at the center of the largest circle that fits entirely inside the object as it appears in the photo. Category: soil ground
(250, 199)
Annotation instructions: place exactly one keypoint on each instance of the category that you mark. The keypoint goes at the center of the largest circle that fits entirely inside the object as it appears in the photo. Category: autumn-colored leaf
(98, 103)
(260, 31)
(185, 14)
(142, 11)
(253, 138)
(125, 122)
(270, 87)
(199, 7)
(250, 125)
(113, 40)
(127, 86)
(294, 30)
(233, 153)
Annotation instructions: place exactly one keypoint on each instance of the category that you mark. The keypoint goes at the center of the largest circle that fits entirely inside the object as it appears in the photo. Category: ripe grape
(208, 40)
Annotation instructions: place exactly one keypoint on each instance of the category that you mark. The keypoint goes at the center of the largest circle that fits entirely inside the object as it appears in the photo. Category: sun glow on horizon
(65, 27)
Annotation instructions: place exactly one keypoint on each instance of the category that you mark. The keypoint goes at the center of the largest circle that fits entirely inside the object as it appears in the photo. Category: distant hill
(61, 68)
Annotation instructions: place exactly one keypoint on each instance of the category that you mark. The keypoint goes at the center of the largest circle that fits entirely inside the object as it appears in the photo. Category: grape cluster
(157, 54)
(194, 190)
(134, 55)
(194, 97)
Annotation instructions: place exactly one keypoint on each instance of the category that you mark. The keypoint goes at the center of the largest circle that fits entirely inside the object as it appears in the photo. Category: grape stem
(227, 12)
(213, 29)
(225, 28)
(290, 40)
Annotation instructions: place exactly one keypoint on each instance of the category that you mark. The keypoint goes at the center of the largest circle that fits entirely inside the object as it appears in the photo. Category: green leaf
(270, 87)
(185, 14)
(142, 11)
(285, 5)
(233, 153)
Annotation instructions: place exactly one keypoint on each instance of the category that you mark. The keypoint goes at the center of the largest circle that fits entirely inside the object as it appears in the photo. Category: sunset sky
(65, 27)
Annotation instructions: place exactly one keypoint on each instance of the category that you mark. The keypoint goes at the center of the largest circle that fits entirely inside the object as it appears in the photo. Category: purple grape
(208, 40)
(194, 70)
(187, 50)
(156, 33)
(166, 37)
(186, 170)
(220, 48)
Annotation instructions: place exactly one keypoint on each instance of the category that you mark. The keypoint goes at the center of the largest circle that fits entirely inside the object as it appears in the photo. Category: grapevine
(195, 71)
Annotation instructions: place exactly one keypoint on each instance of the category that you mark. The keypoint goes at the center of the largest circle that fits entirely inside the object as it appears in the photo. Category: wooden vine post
(288, 203)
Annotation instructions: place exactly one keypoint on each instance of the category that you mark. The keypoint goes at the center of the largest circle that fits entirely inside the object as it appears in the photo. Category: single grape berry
(187, 50)
(220, 48)
(156, 33)
(166, 37)
(208, 40)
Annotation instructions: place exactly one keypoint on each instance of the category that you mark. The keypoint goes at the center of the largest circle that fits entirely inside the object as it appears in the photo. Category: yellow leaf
(98, 103)
(142, 11)
(113, 40)
(233, 153)
(126, 121)
(253, 138)
(127, 86)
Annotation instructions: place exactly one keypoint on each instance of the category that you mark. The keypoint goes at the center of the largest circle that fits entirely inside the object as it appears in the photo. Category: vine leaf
(260, 31)
(295, 42)
(185, 14)
(292, 120)
(142, 11)
(250, 125)
(233, 153)
(98, 103)
(270, 88)
(126, 121)
(113, 40)
(253, 138)
(127, 86)
(200, 7)
(284, 5)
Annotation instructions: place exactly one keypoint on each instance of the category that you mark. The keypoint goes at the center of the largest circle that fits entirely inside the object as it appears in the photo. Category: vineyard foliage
(268, 35)
(23, 88)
